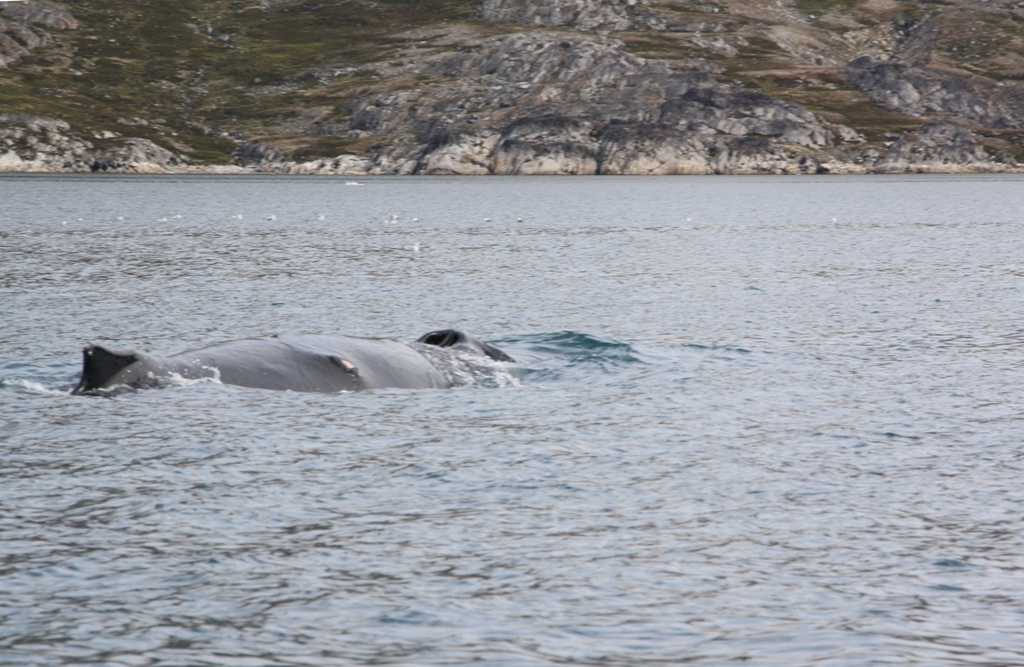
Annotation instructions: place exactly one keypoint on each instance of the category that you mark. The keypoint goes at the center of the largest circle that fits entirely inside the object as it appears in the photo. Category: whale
(293, 362)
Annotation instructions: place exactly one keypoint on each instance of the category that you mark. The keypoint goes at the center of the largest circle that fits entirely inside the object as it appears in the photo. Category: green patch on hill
(210, 69)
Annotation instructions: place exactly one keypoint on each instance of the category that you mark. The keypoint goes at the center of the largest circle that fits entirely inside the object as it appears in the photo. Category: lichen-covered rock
(907, 82)
(33, 143)
(25, 26)
(915, 42)
(38, 12)
(579, 14)
(140, 156)
(936, 148)
(254, 153)
(927, 92)
(29, 142)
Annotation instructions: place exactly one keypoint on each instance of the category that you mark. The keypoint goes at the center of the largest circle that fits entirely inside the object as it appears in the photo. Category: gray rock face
(606, 15)
(936, 148)
(36, 143)
(38, 12)
(137, 156)
(544, 103)
(24, 27)
(915, 43)
(908, 84)
(254, 153)
(926, 92)
(540, 103)
(32, 143)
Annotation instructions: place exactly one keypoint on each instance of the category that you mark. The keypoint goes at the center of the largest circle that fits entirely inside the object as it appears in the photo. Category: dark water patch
(949, 562)
(568, 356)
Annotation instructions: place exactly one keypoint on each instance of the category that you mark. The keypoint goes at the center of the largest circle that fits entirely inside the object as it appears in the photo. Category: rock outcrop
(908, 82)
(929, 92)
(29, 142)
(140, 156)
(604, 15)
(543, 103)
(562, 103)
(26, 26)
(33, 143)
(937, 148)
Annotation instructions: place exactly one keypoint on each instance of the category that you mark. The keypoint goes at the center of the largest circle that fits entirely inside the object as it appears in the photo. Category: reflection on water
(753, 436)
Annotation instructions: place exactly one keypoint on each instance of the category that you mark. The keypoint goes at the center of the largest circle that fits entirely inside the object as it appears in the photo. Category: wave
(27, 386)
(38, 379)
(570, 355)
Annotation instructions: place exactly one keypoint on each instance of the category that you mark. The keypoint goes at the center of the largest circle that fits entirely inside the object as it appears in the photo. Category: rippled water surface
(768, 421)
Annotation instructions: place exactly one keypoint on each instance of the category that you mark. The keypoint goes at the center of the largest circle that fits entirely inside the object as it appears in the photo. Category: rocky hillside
(512, 86)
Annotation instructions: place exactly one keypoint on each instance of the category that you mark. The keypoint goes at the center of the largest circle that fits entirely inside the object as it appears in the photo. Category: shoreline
(318, 168)
(244, 172)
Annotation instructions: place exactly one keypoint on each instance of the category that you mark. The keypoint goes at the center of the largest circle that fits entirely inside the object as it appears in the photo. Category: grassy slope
(210, 67)
(215, 71)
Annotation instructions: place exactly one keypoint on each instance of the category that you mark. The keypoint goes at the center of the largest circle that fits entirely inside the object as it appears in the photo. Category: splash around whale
(302, 362)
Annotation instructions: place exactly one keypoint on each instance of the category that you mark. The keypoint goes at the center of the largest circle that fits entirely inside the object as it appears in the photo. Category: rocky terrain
(26, 27)
(512, 86)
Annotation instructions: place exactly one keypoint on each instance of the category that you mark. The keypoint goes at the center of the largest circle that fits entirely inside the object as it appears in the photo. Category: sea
(752, 421)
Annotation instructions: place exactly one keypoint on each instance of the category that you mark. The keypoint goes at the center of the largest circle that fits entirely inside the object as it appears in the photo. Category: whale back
(325, 364)
(310, 363)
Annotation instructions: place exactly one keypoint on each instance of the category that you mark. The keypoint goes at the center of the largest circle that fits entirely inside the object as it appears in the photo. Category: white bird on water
(271, 217)
(392, 219)
(322, 217)
(237, 217)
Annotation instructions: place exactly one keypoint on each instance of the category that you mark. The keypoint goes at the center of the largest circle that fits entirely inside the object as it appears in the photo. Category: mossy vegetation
(210, 67)
(663, 46)
(819, 7)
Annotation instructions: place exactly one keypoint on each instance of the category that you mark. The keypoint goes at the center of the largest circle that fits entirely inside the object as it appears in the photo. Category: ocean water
(761, 421)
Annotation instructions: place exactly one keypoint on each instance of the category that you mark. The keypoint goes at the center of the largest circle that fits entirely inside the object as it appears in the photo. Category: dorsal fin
(99, 365)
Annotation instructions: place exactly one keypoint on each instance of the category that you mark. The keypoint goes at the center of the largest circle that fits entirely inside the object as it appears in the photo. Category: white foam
(180, 381)
(462, 367)
(33, 387)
